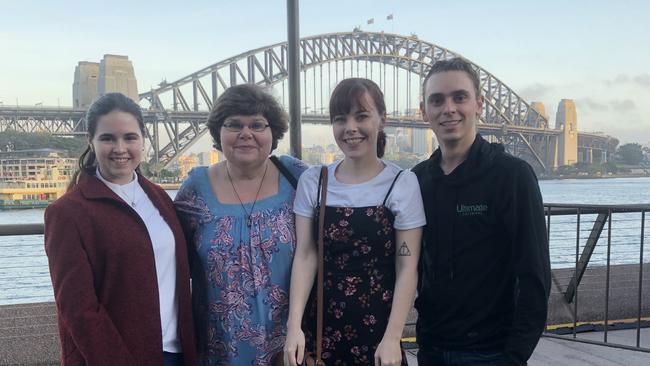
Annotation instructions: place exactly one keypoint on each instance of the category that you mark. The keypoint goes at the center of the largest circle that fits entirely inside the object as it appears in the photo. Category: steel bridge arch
(268, 66)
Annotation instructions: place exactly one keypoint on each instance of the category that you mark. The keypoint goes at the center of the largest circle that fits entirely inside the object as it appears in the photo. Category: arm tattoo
(404, 250)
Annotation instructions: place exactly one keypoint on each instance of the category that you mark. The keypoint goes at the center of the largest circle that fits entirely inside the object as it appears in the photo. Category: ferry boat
(38, 193)
(33, 178)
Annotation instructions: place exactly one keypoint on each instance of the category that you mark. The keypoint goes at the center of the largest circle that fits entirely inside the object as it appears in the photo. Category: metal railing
(597, 255)
(22, 229)
(597, 252)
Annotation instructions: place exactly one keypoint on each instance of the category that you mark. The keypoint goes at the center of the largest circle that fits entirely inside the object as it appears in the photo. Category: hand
(389, 353)
(294, 347)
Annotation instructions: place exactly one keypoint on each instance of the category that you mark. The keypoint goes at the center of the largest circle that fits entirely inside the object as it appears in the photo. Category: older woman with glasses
(239, 220)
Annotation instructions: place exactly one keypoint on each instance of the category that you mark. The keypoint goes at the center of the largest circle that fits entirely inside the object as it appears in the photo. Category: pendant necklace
(249, 219)
(132, 199)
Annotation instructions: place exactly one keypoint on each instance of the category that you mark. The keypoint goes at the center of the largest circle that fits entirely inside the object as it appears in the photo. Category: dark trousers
(442, 357)
(172, 359)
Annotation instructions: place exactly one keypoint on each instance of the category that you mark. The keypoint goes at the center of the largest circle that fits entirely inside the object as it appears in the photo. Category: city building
(186, 163)
(423, 142)
(208, 158)
(321, 154)
(30, 164)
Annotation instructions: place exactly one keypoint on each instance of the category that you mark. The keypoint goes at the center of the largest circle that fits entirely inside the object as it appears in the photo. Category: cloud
(643, 80)
(622, 79)
(619, 80)
(591, 104)
(535, 91)
(625, 105)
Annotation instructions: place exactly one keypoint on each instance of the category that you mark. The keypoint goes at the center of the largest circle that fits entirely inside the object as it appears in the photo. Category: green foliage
(166, 173)
(584, 169)
(13, 140)
(631, 154)
(404, 160)
(610, 167)
(145, 169)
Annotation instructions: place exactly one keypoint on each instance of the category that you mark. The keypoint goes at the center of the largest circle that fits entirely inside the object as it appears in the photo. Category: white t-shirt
(404, 201)
(164, 251)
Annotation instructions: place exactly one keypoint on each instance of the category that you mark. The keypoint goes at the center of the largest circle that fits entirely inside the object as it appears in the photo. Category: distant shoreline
(579, 176)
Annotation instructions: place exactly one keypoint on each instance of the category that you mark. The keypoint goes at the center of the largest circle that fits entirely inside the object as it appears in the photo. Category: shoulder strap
(285, 172)
(323, 171)
(322, 183)
(391, 187)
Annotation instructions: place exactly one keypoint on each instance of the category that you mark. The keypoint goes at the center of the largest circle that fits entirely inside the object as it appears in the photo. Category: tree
(13, 140)
(631, 154)
(610, 167)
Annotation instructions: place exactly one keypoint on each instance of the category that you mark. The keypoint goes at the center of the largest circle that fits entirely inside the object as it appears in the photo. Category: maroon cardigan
(104, 277)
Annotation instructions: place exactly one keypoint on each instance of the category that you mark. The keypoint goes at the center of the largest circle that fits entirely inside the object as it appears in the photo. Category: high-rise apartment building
(423, 142)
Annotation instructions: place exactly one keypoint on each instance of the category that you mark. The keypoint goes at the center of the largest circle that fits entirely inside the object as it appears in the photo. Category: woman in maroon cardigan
(117, 254)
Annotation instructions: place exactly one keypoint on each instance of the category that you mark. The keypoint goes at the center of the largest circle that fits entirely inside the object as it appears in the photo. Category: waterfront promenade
(610, 295)
(30, 337)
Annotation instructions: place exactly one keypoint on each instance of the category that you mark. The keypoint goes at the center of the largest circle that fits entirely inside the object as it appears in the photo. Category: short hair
(247, 100)
(349, 93)
(104, 105)
(453, 64)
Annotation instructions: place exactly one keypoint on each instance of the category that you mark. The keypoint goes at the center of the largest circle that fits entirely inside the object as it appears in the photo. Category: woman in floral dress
(239, 222)
(373, 226)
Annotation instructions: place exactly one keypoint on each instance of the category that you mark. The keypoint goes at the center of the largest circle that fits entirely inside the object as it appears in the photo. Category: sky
(594, 52)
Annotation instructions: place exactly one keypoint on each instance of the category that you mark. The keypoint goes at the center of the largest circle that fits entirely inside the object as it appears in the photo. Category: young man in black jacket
(484, 268)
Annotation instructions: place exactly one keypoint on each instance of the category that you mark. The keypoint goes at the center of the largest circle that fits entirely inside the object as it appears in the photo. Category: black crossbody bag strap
(285, 172)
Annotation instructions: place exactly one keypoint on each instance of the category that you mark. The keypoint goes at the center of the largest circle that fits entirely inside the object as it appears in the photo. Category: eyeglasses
(238, 127)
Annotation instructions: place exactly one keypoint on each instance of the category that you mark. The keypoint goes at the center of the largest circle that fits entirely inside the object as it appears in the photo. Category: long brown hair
(349, 93)
(104, 105)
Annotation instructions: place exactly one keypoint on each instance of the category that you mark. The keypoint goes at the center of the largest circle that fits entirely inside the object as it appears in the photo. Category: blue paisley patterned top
(247, 271)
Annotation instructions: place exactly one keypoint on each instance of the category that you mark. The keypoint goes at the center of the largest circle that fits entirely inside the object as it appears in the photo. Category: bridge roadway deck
(63, 113)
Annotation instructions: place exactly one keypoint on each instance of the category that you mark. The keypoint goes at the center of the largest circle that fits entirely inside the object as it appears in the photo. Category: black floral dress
(359, 275)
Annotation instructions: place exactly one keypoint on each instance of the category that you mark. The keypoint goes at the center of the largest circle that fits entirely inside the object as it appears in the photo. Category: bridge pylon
(566, 120)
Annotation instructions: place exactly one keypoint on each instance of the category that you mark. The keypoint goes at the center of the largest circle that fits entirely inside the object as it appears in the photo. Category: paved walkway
(29, 336)
(560, 352)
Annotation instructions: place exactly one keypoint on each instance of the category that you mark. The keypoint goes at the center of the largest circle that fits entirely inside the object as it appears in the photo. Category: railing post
(581, 266)
(607, 278)
(293, 45)
(638, 320)
(576, 278)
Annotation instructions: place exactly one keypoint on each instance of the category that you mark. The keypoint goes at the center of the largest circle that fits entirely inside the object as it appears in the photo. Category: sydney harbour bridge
(175, 112)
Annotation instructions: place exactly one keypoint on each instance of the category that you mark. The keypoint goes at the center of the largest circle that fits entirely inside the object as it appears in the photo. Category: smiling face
(246, 147)
(356, 132)
(118, 145)
(452, 107)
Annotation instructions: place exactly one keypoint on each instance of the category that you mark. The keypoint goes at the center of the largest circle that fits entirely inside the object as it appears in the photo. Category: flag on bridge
(390, 16)
(371, 21)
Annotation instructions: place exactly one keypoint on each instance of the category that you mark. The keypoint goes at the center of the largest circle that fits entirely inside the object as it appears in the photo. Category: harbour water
(24, 274)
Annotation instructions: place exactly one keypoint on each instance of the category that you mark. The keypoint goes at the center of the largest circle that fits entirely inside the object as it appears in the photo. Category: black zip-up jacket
(484, 268)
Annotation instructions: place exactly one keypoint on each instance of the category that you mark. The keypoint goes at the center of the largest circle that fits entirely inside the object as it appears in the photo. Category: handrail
(604, 274)
(588, 283)
(22, 229)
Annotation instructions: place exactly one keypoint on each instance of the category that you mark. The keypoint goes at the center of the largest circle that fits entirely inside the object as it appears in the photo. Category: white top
(404, 201)
(164, 250)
